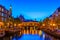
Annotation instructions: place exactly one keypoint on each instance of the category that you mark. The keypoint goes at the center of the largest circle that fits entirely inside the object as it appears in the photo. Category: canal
(30, 37)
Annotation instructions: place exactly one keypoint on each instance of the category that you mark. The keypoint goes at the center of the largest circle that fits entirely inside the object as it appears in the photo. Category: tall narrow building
(10, 10)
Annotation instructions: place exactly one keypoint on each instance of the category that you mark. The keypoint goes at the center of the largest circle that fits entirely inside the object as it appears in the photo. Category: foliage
(40, 22)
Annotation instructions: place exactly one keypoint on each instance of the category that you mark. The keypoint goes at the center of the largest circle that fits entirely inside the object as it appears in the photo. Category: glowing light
(27, 32)
(43, 24)
(36, 32)
(32, 31)
(1, 23)
(54, 24)
(14, 24)
(7, 24)
(50, 24)
(24, 31)
(18, 24)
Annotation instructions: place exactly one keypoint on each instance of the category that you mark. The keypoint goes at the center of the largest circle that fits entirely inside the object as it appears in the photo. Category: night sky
(31, 9)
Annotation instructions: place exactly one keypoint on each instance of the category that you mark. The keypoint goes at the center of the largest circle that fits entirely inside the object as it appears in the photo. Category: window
(2, 14)
(56, 14)
(0, 8)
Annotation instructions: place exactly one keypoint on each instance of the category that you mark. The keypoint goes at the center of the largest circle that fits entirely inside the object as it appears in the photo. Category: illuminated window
(2, 17)
(6, 11)
(56, 14)
(2, 14)
(0, 8)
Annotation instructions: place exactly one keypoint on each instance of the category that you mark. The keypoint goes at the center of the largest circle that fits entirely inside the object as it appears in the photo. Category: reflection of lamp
(32, 31)
(40, 32)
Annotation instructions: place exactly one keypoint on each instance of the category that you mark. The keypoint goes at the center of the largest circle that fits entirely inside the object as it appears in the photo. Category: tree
(40, 22)
(47, 20)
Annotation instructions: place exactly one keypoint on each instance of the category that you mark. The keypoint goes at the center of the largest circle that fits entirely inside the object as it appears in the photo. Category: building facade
(56, 14)
(4, 13)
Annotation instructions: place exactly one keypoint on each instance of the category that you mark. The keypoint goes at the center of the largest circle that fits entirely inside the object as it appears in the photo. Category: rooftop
(59, 9)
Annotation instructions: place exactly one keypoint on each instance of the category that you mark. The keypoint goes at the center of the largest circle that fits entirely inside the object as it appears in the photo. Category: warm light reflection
(27, 31)
(24, 31)
(32, 31)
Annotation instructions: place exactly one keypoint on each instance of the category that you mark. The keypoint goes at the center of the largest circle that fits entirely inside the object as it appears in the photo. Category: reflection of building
(4, 13)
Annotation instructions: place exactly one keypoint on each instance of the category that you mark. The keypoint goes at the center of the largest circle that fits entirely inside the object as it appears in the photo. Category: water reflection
(29, 37)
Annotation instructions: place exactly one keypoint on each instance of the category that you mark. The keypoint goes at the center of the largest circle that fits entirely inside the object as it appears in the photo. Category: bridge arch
(30, 27)
(29, 24)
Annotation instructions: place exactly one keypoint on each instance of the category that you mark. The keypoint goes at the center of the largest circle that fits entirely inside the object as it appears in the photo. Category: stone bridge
(36, 26)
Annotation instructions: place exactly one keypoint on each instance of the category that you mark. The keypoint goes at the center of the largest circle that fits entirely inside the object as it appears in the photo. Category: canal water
(30, 37)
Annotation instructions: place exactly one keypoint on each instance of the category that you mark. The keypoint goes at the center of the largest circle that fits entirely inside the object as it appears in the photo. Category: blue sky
(31, 9)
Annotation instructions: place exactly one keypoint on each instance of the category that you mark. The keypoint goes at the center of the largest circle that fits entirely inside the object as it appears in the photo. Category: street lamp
(14, 24)
(50, 24)
(54, 24)
(43, 24)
